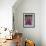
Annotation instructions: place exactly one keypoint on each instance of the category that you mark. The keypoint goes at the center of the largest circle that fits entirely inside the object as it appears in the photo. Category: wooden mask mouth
(18, 34)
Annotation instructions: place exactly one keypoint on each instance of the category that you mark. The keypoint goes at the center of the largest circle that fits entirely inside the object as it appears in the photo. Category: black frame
(33, 14)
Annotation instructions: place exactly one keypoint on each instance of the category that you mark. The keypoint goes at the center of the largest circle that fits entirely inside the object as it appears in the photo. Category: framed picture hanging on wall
(29, 20)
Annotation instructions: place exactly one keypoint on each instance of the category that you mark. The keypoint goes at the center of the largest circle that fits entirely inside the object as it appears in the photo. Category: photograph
(29, 20)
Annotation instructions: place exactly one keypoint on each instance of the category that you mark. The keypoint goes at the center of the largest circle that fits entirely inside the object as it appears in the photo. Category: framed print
(29, 20)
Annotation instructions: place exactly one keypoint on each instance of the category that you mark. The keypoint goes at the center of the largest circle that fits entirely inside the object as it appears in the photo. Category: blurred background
(8, 8)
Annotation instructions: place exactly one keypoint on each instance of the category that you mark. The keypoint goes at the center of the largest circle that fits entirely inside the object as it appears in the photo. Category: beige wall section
(28, 6)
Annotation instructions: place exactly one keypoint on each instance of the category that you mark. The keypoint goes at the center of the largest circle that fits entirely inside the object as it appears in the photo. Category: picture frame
(28, 20)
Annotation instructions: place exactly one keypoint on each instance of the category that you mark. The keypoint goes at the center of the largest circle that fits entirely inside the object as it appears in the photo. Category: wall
(6, 16)
(6, 13)
(28, 6)
(43, 22)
